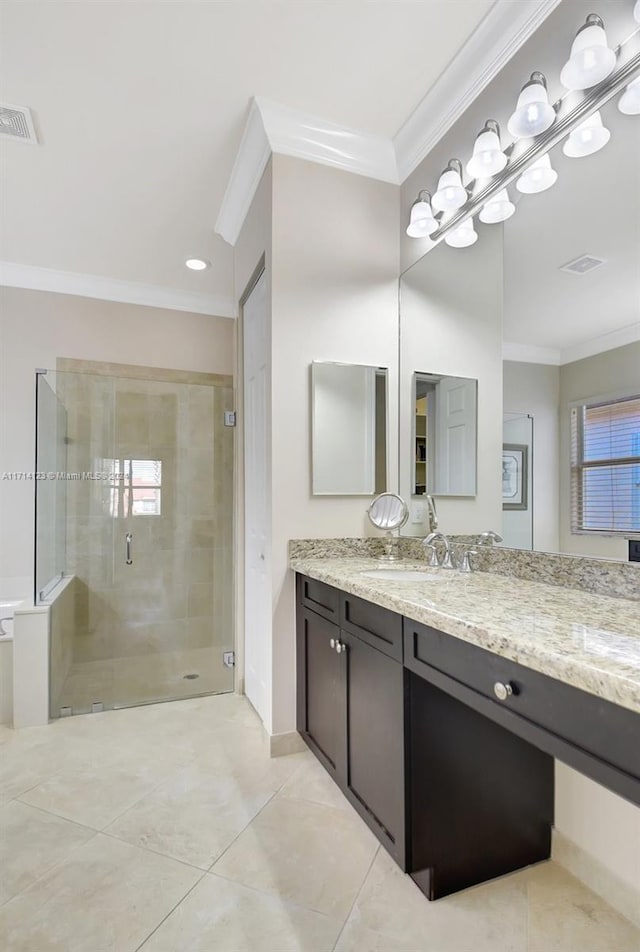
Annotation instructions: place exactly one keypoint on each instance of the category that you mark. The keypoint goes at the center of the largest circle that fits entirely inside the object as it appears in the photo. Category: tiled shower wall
(177, 593)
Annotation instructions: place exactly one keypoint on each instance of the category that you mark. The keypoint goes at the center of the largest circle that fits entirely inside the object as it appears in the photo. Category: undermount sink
(401, 575)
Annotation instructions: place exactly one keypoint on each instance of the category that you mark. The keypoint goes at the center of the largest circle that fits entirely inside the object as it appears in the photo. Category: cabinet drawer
(598, 727)
(319, 597)
(378, 627)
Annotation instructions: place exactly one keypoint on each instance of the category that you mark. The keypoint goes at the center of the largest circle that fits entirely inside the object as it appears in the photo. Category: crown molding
(598, 345)
(506, 27)
(33, 278)
(253, 154)
(273, 128)
(530, 354)
(296, 133)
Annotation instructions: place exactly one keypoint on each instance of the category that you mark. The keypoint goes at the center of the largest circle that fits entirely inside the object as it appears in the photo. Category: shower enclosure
(134, 534)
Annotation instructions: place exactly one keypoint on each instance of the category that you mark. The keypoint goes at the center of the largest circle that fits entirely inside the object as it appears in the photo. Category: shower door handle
(128, 539)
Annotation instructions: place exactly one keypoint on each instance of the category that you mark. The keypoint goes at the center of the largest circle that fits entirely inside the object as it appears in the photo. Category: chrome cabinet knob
(502, 691)
(341, 647)
(332, 642)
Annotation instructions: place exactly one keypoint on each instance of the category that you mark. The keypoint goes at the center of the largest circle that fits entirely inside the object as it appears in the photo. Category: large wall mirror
(348, 429)
(571, 316)
(544, 310)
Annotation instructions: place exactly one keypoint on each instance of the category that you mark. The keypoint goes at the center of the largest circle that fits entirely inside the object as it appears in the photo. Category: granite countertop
(589, 641)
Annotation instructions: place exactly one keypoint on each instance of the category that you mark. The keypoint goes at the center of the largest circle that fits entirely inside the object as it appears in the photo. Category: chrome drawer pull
(502, 691)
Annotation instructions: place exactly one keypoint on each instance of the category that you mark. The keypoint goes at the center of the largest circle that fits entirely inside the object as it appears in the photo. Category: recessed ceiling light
(197, 264)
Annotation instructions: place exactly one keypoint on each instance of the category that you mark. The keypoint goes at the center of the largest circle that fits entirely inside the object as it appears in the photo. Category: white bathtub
(7, 608)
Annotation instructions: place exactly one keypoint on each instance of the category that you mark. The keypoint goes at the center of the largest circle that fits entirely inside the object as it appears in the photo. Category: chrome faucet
(429, 543)
(489, 537)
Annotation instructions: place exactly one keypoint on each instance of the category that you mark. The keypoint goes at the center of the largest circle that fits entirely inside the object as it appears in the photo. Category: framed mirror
(444, 447)
(348, 429)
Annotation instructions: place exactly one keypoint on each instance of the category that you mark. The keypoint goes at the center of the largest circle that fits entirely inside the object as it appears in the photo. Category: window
(135, 487)
(605, 466)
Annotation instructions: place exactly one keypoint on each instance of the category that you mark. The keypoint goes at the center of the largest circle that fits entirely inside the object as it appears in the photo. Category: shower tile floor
(122, 682)
(167, 828)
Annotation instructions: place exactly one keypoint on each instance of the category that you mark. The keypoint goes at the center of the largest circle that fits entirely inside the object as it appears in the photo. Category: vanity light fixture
(533, 113)
(498, 208)
(488, 158)
(538, 177)
(629, 102)
(591, 59)
(197, 264)
(589, 137)
(421, 220)
(451, 193)
(463, 236)
(636, 11)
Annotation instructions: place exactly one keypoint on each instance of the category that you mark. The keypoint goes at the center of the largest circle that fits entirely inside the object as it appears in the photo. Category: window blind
(605, 466)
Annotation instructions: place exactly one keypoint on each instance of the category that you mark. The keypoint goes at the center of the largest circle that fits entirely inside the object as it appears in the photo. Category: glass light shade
(463, 236)
(488, 157)
(533, 113)
(421, 220)
(629, 102)
(591, 60)
(538, 177)
(636, 11)
(589, 137)
(451, 193)
(497, 209)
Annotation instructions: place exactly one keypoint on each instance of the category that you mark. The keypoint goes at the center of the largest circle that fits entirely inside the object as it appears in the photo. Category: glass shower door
(171, 490)
(148, 530)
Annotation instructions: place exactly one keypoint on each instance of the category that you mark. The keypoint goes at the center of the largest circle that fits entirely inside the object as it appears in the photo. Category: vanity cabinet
(444, 748)
(351, 703)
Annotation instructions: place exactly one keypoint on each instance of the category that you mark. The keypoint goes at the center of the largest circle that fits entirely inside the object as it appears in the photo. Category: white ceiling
(594, 208)
(140, 108)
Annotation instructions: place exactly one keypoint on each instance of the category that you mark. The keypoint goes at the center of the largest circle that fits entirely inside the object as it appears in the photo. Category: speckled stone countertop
(589, 641)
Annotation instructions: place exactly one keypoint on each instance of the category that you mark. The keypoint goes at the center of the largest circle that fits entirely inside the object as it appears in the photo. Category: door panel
(257, 494)
(375, 738)
(321, 690)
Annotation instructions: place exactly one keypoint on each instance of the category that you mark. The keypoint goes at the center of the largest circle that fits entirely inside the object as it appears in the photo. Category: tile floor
(168, 829)
(159, 676)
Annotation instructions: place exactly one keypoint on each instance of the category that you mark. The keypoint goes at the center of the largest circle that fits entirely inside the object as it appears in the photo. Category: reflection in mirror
(348, 429)
(572, 348)
(444, 427)
(517, 481)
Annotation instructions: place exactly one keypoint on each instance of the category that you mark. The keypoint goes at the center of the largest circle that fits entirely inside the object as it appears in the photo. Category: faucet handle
(489, 537)
(433, 556)
(465, 562)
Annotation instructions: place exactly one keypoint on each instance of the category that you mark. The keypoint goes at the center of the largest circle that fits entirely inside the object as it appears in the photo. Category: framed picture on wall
(514, 476)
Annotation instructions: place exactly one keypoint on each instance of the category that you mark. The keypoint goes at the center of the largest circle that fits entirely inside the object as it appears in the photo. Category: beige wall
(535, 389)
(334, 297)
(36, 327)
(612, 373)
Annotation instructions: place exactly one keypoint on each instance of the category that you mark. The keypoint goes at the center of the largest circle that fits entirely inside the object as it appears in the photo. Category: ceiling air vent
(16, 123)
(582, 265)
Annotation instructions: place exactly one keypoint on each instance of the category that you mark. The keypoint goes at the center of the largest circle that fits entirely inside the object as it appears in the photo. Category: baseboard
(594, 874)
(288, 743)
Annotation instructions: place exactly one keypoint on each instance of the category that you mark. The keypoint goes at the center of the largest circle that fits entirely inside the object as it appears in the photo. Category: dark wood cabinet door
(374, 780)
(321, 694)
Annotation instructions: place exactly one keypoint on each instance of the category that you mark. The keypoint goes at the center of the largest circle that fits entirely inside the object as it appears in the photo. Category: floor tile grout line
(58, 816)
(148, 849)
(357, 896)
(243, 830)
(171, 911)
(270, 895)
(53, 868)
